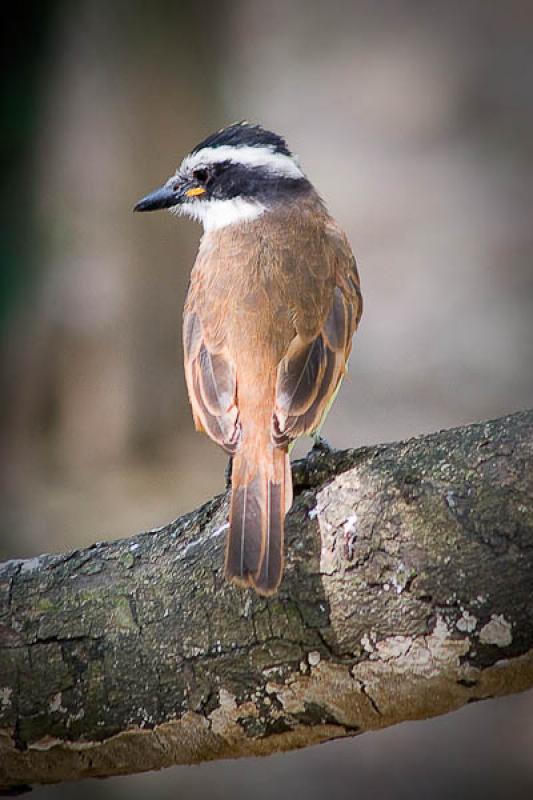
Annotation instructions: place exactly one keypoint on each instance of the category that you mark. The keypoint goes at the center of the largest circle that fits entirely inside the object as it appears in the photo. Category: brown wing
(211, 382)
(310, 372)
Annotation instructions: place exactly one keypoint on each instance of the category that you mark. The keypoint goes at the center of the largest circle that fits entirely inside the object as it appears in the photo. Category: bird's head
(235, 175)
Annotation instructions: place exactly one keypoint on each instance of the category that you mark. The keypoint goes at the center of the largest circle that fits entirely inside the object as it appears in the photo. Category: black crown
(244, 134)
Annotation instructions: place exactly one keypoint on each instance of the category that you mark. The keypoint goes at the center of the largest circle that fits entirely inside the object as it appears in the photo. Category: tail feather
(260, 498)
(243, 551)
(267, 578)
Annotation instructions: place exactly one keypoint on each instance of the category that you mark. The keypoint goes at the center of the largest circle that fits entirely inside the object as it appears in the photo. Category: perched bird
(272, 306)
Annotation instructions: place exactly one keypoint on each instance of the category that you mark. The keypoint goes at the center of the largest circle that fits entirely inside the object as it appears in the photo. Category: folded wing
(311, 370)
(212, 384)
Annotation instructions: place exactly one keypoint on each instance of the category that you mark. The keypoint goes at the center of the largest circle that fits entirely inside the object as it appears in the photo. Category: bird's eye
(200, 175)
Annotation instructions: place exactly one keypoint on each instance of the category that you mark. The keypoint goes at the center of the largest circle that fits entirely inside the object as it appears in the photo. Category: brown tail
(261, 496)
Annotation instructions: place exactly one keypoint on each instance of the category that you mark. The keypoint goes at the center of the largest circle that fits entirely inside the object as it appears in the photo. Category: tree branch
(407, 594)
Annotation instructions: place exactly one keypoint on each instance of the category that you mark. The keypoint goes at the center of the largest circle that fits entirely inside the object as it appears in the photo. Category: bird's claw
(321, 445)
(227, 473)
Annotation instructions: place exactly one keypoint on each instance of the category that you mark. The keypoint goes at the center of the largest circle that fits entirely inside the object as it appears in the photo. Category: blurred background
(415, 121)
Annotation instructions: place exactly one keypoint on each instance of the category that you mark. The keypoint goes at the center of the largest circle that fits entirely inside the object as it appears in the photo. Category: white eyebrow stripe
(277, 163)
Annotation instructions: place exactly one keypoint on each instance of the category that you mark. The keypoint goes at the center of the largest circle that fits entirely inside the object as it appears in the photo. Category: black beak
(165, 197)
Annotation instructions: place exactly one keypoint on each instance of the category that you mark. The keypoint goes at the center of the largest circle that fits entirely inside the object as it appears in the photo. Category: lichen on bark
(407, 593)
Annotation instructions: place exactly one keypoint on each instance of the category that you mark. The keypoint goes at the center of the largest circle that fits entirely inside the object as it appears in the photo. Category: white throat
(216, 214)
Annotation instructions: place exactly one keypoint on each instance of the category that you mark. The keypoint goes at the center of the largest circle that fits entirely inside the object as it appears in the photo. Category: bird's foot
(321, 445)
(227, 473)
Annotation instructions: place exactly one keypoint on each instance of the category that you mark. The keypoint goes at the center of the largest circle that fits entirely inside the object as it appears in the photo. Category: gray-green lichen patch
(496, 631)
(467, 622)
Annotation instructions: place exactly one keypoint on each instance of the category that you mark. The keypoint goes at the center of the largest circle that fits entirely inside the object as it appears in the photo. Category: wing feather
(337, 325)
(216, 380)
(212, 386)
(300, 374)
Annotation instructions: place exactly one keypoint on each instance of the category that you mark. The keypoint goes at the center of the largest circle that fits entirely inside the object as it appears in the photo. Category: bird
(273, 302)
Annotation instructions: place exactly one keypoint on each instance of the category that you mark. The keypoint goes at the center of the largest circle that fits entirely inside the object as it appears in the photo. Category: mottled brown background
(415, 121)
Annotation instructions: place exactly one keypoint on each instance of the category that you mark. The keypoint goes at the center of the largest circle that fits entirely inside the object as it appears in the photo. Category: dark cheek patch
(259, 183)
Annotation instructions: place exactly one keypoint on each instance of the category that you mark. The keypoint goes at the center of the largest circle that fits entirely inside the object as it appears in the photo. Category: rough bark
(408, 593)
